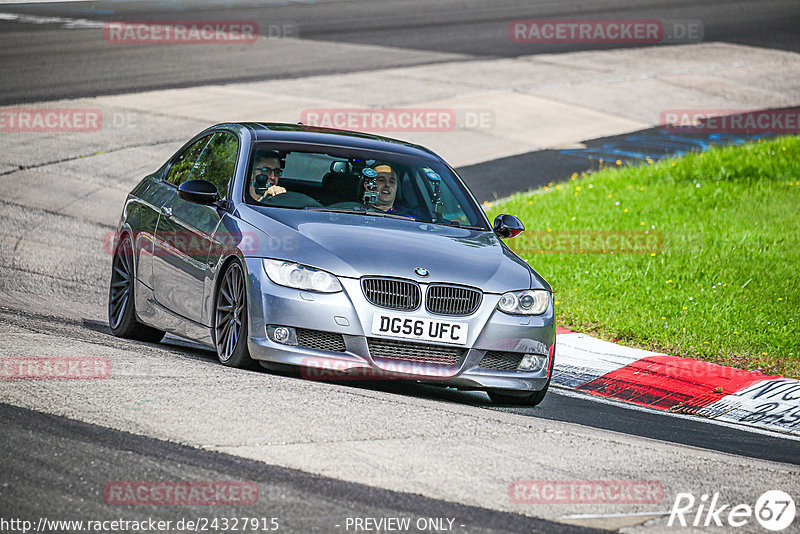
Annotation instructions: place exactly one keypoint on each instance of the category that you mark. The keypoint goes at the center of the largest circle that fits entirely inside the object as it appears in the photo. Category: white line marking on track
(603, 516)
(71, 24)
(13, 2)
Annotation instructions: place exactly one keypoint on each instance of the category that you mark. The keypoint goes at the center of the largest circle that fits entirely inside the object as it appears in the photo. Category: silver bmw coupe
(341, 254)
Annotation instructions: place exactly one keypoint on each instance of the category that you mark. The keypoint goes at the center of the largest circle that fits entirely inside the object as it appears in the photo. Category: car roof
(299, 133)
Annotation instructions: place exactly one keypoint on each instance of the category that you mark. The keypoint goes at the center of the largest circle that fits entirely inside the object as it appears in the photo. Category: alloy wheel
(121, 281)
(229, 312)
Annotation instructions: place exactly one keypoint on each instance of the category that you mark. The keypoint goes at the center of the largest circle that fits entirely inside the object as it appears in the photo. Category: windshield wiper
(379, 213)
(457, 224)
(360, 211)
(337, 210)
(390, 215)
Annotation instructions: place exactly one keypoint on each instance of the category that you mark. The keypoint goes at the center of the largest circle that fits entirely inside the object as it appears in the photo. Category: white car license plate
(419, 328)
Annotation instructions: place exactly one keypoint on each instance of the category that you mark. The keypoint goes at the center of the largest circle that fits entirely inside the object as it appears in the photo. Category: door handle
(166, 211)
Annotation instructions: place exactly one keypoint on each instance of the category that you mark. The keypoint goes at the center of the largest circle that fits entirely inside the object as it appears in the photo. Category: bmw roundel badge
(421, 272)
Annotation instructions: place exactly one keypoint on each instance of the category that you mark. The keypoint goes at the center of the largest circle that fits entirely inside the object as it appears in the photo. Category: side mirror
(199, 192)
(507, 226)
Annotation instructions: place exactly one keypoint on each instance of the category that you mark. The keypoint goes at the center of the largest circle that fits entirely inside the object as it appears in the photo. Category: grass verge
(697, 256)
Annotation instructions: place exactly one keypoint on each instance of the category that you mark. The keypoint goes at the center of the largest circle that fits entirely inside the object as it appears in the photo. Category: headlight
(527, 302)
(285, 273)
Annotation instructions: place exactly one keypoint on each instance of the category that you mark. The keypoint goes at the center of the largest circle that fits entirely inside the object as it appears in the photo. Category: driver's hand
(274, 190)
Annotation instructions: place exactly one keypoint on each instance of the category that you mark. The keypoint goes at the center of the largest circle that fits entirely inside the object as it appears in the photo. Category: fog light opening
(532, 363)
(285, 335)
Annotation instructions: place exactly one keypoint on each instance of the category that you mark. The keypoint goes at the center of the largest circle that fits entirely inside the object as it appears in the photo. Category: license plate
(419, 328)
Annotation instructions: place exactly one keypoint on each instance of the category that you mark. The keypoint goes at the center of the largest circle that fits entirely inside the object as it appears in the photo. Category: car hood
(352, 245)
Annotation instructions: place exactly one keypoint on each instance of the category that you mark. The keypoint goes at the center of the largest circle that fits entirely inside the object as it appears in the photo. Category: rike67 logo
(774, 510)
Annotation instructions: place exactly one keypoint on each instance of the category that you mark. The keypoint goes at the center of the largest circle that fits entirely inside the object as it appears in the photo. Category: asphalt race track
(319, 452)
(301, 502)
(50, 61)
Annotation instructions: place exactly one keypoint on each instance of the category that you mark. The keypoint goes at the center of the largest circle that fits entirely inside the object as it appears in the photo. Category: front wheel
(504, 396)
(121, 308)
(500, 396)
(230, 319)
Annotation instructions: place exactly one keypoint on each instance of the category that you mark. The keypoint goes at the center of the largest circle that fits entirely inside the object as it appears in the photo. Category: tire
(283, 369)
(121, 302)
(230, 319)
(503, 396)
(500, 396)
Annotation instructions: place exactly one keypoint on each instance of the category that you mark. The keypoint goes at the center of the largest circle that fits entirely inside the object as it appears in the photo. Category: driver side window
(217, 162)
(211, 158)
(182, 166)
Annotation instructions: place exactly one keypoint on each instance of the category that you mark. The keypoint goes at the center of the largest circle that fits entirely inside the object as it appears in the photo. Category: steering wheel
(291, 199)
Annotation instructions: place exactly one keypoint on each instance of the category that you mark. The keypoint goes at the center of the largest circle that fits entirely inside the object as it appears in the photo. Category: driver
(387, 184)
(267, 170)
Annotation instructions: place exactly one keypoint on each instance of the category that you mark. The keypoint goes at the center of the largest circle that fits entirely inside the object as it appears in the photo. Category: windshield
(381, 184)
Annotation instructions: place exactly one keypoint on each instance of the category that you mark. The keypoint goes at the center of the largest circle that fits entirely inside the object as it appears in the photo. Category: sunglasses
(269, 170)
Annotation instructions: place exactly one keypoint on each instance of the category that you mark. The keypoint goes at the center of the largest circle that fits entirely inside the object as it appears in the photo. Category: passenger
(267, 170)
(387, 186)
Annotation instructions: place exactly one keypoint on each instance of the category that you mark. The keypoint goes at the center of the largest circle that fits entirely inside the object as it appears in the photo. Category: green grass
(724, 286)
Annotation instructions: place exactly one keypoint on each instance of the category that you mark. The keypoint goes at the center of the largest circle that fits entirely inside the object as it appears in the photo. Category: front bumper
(349, 315)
